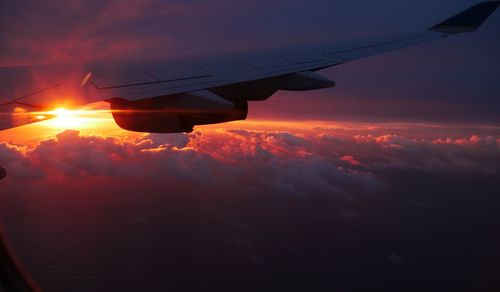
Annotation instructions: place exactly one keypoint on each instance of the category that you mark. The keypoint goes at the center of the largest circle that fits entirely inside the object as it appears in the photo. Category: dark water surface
(428, 232)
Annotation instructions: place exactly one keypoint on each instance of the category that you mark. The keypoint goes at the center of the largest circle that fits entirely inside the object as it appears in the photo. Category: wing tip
(469, 20)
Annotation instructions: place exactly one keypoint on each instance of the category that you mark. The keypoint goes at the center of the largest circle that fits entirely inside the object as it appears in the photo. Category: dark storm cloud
(450, 80)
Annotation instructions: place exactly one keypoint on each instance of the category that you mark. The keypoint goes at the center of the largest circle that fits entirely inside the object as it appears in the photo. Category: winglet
(469, 20)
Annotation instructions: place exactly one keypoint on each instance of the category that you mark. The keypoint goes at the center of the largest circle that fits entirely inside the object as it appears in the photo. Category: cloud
(19, 165)
(472, 154)
(237, 161)
(350, 159)
(301, 163)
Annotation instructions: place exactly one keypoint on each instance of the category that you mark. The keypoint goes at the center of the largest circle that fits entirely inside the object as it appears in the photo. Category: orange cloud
(295, 160)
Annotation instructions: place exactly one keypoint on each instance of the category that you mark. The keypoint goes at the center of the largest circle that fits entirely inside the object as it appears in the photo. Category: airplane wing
(173, 96)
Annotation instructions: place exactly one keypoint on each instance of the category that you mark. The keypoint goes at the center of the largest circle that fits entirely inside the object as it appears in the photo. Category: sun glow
(62, 118)
(95, 119)
(65, 118)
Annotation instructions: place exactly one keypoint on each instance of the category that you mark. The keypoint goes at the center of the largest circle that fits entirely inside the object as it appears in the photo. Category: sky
(386, 181)
(453, 80)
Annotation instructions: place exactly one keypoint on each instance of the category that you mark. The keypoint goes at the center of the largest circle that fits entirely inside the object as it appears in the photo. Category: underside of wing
(176, 97)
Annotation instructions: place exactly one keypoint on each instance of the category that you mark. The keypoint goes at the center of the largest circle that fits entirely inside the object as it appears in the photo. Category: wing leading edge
(161, 86)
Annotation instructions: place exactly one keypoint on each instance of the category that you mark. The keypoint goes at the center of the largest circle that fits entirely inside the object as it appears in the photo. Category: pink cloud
(473, 140)
(239, 161)
(300, 163)
(351, 160)
(465, 154)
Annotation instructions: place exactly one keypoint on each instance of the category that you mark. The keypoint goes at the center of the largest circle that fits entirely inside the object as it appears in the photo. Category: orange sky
(97, 120)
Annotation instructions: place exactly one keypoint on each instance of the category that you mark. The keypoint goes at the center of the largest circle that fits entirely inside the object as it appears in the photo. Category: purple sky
(454, 80)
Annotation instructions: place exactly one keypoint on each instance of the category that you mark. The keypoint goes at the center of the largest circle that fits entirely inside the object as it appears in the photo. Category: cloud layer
(318, 162)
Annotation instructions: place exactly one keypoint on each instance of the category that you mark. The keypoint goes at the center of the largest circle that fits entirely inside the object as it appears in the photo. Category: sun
(93, 119)
(62, 118)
